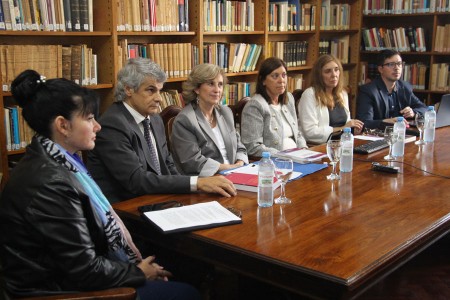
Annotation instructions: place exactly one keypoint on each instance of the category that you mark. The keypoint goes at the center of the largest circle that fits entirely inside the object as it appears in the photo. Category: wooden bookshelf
(429, 20)
(106, 38)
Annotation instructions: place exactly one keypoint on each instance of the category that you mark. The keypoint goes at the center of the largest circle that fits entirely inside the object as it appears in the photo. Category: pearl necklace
(210, 121)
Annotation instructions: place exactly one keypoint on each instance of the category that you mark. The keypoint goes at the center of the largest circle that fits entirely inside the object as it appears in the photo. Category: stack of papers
(301, 156)
(192, 217)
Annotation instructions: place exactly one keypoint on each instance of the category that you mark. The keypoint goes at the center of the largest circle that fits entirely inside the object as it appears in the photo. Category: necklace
(210, 121)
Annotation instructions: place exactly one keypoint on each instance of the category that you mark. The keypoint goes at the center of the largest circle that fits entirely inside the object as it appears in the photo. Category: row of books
(176, 59)
(339, 47)
(291, 15)
(44, 15)
(171, 97)
(440, 79)
(226, 15)
(152, 15)
(295, 82)
(293, 53)
(334, 16)
(18, 133)
(415, 74)
(442, 40)
(233, 92)
(377, 7)
(75, 62)
(401, 39)
(232, 57)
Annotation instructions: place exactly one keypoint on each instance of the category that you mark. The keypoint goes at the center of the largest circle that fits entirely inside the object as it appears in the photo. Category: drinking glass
(390, 136)
(283, 171)
(420, 124)
(334, 154)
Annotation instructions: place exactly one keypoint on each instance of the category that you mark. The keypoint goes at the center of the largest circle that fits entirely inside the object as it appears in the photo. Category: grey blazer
(261, 126)
(120, 163)
(194, 145)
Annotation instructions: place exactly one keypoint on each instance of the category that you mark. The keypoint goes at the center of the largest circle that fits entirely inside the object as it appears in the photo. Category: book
(192, 217)
(302, 156)
(245, 178)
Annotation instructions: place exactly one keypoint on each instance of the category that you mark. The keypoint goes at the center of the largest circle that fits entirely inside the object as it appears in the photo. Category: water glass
(334, 155)
(420, 124)
(283, 170)
(390, 136)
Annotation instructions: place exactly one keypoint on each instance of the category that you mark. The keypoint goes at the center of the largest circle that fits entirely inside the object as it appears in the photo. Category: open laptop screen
(443, 112)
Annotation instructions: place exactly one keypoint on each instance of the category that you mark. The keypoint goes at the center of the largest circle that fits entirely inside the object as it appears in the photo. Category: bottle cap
(347, 129)
(400, 119)
(430, 107)
(266, 154)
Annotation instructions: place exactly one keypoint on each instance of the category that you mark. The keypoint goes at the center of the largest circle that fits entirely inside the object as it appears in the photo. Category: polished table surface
(337, 238)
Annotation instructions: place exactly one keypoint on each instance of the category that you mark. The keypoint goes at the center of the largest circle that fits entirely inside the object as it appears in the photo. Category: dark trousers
(167, 290)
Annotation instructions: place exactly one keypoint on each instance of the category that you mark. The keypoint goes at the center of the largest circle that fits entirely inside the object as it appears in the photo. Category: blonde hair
(319, 85)
(200, 74)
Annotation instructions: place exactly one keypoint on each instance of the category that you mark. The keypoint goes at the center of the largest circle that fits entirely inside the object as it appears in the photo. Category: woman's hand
(354, 123)
(237, 164)
(152, 270)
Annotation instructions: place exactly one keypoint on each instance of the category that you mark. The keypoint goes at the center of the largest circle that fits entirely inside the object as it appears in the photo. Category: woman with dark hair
(203, 136)
(323, 107)
(269, 121)
(56, 226)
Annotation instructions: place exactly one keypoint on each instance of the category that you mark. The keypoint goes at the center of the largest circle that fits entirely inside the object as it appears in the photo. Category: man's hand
(216, 184)
(407, 112)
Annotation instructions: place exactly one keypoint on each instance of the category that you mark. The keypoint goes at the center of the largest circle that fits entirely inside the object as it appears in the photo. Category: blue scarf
(120, 244)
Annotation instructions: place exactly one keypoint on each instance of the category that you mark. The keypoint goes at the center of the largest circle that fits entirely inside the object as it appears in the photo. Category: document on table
(192, 217)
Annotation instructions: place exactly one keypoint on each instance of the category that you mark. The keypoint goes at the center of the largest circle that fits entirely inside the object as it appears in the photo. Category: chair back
(238, 111)
(297, 95)
(168, 115)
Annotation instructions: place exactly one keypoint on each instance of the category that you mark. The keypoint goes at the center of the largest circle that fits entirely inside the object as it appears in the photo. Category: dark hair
(43, 100)
(267, 67)
(385, 54)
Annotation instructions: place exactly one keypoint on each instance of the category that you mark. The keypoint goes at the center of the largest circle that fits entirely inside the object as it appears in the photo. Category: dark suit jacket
(373, 102)
(120, 162)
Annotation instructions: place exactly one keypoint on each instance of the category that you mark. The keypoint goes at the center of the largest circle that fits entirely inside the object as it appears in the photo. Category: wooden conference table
(337, 238)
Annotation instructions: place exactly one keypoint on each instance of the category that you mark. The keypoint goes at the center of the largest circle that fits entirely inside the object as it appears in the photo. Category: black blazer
(120, 162)
(373, 102)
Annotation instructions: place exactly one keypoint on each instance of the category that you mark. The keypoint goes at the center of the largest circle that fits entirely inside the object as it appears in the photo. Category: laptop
(443, 112)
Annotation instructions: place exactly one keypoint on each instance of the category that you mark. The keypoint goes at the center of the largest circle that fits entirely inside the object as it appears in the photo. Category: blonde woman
(323, 107)
(203, 137)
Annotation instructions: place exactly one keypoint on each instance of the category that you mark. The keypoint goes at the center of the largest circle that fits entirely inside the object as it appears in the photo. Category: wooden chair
(239, 107)
(168, 115)
(122, 293)
(297, 95)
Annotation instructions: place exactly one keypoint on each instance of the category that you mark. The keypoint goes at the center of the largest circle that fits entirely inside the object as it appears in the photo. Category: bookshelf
(419, 59)
(110, 32)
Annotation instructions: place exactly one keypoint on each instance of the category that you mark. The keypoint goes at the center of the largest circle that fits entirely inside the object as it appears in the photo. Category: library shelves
(107, 37)
(426, 84)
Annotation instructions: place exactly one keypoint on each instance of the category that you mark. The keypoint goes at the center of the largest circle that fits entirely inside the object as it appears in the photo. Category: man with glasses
(387, 97)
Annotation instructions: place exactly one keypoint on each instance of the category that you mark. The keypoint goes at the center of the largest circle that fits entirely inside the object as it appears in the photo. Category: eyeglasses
(391, 65)
(277, 75)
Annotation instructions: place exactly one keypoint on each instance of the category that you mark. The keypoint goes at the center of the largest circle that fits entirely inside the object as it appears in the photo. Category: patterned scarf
(120, 244)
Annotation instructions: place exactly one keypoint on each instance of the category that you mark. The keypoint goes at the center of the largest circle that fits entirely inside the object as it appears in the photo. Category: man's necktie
(153, 155)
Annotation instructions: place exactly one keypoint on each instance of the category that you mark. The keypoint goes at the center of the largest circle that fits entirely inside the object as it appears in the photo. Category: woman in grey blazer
(204, 139)
(269, 121)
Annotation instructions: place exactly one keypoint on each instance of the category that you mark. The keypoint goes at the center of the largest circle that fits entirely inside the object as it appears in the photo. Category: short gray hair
(134, 73)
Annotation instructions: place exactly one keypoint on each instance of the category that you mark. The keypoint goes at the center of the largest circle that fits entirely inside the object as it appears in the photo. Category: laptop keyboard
(371, 147)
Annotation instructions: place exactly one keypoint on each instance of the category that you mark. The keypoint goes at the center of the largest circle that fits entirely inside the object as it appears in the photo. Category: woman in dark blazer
(204, 139)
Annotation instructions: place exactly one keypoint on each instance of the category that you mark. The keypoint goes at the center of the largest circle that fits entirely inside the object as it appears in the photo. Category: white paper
(368, 137)
(191, 216)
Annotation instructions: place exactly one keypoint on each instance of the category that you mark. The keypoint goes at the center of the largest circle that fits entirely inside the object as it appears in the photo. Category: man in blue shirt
(387, 97)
